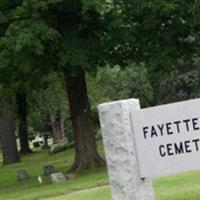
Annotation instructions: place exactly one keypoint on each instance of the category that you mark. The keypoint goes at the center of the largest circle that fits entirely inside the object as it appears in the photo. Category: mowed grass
(184, 186)
(11, 189)
(100, 194)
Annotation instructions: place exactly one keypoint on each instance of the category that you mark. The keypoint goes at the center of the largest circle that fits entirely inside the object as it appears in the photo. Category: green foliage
(116, 83)
(48, 100)
(3, 18)
(90, 33)
(101, 6)
(53, 97)
(41, 35)
(161, 34)
(180, 86)
(76, 52)
(163, 27)
(165, 37)
(33, 8)
(196, 11)
(22, 50)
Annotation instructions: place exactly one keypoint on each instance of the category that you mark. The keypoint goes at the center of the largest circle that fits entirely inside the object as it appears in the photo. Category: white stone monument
(168, 138)
(120, 150)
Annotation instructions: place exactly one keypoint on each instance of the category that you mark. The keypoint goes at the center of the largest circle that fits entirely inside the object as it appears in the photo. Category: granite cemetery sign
(142, 143)
(168, 138)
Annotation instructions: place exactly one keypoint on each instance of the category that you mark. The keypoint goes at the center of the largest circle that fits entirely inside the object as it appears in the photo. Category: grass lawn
(185, 186)
(11, 189)
(102, 194)
(180, 187)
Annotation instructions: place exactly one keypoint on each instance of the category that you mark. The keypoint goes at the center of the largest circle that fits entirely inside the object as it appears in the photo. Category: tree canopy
(41, 37)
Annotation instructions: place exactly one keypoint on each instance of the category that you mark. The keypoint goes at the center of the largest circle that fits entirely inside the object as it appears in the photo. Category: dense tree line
(113, 49)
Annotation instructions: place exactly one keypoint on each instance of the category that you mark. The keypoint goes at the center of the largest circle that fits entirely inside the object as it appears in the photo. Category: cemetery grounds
(87, 185)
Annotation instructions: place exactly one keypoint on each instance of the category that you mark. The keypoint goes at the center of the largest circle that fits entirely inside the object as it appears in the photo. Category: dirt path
(77, 192)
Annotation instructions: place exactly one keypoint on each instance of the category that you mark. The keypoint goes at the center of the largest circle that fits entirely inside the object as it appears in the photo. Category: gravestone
(49, 169)
(120, 149)
(39, 179)
(22, 175)
(70, 176)
(57, 177)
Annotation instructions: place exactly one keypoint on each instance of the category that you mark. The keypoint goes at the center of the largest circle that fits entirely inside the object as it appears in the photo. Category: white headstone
(58, 177)
(39, 179)
(119, 144)
(22, 175)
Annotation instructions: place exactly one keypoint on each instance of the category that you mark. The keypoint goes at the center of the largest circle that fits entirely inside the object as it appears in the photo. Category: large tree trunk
(62, 123)
(23, 126)
(86, 156)
(7, 132)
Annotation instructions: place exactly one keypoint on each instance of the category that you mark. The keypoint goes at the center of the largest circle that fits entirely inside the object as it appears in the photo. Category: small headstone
(57, 177)
(39, 178)
(22, 175)
(70, 176)
(49, 169)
